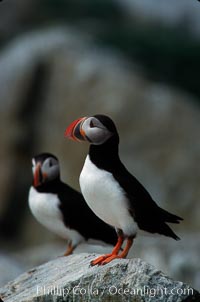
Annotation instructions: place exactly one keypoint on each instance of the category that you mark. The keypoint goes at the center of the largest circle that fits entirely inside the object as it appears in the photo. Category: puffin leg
(123, 254)
(115, 252)
(69, 250)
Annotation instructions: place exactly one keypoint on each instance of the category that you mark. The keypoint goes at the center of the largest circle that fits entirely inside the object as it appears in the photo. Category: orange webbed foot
(109, 259)
(115, 251)
(104, 259)
(100, 259)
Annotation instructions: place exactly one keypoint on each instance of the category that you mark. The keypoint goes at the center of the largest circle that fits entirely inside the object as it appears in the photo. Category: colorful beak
(37, 178)
(75, 132)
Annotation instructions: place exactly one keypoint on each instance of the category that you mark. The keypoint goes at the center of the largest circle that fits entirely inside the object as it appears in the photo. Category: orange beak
(37, 178)
(75, 132)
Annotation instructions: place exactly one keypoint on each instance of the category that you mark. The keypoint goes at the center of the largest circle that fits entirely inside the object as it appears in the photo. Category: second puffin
(62, 209)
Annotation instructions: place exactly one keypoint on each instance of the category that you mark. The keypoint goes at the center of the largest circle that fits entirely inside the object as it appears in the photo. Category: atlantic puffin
(61, 209)
(113, 193)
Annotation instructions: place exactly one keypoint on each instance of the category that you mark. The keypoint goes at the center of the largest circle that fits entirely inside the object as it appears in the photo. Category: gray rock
(72, 279)
(178, 259)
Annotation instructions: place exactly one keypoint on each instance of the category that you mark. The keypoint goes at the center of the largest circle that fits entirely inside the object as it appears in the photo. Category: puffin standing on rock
(115, 195)
(62, 209)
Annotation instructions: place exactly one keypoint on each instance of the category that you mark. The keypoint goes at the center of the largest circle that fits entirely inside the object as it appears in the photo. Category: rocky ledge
(73, 279)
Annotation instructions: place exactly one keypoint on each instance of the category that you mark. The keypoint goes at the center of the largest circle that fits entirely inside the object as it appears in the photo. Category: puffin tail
(167, 231)
(168, 217)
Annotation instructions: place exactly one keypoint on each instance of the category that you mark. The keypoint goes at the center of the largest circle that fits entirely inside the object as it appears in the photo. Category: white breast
(106, 198)
(44, 207)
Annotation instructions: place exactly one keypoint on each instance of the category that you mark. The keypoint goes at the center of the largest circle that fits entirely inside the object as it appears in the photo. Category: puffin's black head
(96, 129)
(45, 168)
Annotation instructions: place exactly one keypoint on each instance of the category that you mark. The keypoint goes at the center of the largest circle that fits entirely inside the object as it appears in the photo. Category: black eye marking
(50, 163)
(92, 124)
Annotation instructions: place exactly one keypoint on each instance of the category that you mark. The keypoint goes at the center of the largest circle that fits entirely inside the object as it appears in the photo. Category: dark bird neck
(50, 186)
(105, 156)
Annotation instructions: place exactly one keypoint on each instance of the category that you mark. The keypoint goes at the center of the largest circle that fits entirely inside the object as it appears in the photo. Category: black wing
(148, 215)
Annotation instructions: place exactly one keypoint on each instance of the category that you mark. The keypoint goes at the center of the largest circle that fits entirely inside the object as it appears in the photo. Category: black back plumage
(148, 215)
(75, 211)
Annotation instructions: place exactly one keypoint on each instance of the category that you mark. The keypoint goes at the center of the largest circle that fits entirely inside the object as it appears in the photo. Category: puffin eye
(50, 163)
(92, 124)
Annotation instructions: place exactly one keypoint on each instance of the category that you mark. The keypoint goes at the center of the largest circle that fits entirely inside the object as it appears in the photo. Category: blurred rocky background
(135, 60)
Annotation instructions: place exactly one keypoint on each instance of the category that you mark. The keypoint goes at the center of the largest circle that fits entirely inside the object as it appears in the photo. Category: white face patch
(50, 168)
(106, 198)
(96, 132)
